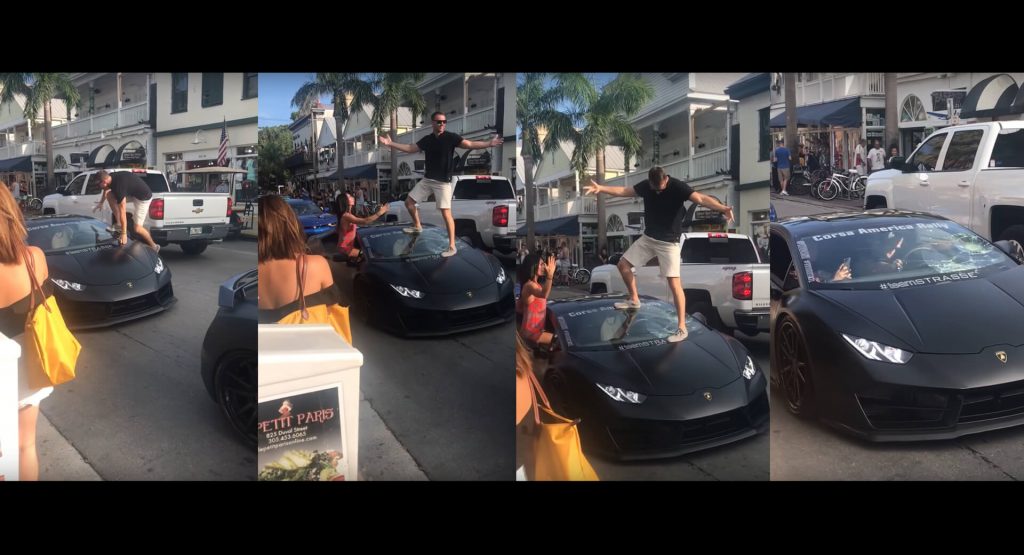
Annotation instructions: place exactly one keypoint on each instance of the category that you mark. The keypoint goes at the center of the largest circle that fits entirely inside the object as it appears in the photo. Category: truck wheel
(1015, 232)
(194, 247)
(875, 202)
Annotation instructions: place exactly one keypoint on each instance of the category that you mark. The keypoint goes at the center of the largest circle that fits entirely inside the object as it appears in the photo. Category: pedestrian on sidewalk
(439, 149)
(664, 208)
(16, 261)
(781, 159)
(118, 188)
(876, 158)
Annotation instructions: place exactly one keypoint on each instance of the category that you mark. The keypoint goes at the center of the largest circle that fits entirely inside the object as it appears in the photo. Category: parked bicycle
(851, 186)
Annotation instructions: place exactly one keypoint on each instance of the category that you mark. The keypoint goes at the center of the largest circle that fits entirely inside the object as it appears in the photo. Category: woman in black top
(16, 259)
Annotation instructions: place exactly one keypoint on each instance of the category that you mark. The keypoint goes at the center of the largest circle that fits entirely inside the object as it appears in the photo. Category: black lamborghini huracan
(96, 281)
(402, 283)
(639, 396)
(895, 325)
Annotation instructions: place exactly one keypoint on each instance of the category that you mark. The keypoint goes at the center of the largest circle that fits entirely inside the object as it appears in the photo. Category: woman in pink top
(348, 223)
(532, 303)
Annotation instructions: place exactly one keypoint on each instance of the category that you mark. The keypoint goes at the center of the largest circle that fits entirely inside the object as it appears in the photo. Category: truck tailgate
(762, 285)
(194, 208)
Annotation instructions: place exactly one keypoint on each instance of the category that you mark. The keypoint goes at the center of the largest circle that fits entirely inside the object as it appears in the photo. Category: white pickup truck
(972, 174)
(723, 278)
(192, 220)
(484, 209)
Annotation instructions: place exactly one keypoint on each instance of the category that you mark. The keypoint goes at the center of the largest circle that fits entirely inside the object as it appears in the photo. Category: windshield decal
(648, 343)
(589, 311)
(870, 230)
(929, 280)
(565, 331)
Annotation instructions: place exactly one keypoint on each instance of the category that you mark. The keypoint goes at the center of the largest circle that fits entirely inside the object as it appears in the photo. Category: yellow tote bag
(558, 454)
(47, 334)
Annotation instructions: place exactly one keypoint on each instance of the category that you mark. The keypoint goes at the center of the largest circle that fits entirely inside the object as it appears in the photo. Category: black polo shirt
(127, 184)
(664, 210)
(438, 152)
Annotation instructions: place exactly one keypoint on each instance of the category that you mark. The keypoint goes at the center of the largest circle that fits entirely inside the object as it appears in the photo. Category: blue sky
(276, 92)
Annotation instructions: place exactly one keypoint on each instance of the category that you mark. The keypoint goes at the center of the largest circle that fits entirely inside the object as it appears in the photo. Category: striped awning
(991, 97)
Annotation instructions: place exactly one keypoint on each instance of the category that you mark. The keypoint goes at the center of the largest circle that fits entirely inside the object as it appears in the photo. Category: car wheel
(235, 386)
(794, 370)
(1014, 232)
(193, 247)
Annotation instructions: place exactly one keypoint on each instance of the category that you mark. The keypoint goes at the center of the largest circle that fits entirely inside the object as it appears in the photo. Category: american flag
(222, 155)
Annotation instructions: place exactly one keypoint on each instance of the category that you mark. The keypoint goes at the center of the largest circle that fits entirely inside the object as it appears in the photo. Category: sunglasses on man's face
(440, 121)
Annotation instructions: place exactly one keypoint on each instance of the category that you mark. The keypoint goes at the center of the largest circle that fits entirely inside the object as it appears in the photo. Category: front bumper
(86, 314)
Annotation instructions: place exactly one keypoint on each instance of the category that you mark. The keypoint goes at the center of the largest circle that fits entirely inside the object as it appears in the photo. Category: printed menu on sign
(301, 437)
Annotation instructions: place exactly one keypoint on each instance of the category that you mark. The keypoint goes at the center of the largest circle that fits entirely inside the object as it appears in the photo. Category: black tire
(598, 289)
(49, 211)
(875, 202)
(235, 387)
(1014, 232)
(789, 354)
(798, 185)
(36, 204)
(556, 387)
(583, 276)
(711, 315)
(194, 247)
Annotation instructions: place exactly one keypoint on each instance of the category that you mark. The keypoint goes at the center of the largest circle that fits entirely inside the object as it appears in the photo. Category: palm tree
(39, 90)
(339, 86)
(386, 93)
(891, 114)
(535, 113)
(599, 120)
(789, 81)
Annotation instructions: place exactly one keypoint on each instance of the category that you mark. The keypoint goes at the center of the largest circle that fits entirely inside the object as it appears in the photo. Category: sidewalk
(806, 205)
(381, 455)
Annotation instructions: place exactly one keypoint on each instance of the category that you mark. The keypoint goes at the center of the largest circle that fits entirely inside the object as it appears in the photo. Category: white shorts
(442, 191)
(647, 248)
(140, 209)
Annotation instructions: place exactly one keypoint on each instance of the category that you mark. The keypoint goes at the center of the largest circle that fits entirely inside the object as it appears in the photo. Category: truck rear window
(157, 183)
(483, 189)
(1008, 152)
(697, 250)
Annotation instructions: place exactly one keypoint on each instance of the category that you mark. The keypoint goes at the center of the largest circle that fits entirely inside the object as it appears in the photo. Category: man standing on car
(118, 188)
(439, 149)
(663, 217)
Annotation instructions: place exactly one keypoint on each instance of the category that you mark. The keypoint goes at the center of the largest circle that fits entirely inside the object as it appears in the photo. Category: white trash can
(308, 415)
(10, 351)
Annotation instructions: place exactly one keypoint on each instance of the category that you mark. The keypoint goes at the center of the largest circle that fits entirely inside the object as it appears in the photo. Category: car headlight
(749, 369)
(68, 285)
(877, 351)
(622, 395)
(159, 268)
(407, 292)
(501, 276)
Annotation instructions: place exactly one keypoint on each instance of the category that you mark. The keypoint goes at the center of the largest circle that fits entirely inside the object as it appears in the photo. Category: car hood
(318, 220)
(702, 361)
(103, 265)
(947, 318)
(468, 269)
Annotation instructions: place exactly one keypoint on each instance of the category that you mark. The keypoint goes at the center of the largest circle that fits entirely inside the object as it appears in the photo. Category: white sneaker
(412, 230)
(678, 336)
(449, 252)
(784, 193)
(627, 305)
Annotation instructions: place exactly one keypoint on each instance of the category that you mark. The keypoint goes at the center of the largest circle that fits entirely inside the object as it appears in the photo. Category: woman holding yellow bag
(287, 274)
(15, 305)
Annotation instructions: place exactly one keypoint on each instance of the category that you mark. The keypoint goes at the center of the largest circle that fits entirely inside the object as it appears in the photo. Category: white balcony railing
(471, 122)
(874, 83)
(678, 169)
(106, 121)
(561, 208)
(477, 121)
(709, 163)
(23, 149)
(364, 157)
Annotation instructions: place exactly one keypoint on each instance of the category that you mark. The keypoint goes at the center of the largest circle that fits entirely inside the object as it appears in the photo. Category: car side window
(927, 157)
(75, 187)
(963, 148)
(93, 187)
(783, 271)
(1008, 151)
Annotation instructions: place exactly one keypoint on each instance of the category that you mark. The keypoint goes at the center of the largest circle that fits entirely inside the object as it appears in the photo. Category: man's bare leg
(144, 233)
(449, 222)
(675, 285)
(414, 212)
(626, 269)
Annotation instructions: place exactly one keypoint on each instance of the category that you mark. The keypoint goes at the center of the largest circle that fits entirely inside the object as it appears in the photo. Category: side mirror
(1013, 249)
